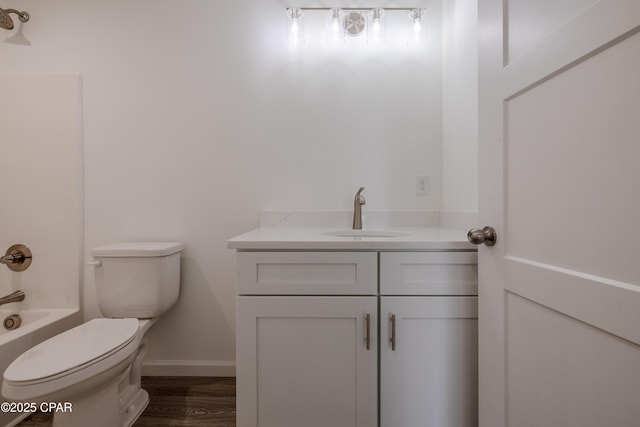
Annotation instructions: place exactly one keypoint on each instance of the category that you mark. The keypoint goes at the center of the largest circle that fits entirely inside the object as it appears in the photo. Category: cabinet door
(306, 361)
(430, 378)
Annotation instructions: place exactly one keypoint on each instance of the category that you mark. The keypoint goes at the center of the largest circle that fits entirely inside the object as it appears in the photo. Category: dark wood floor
(179, 402)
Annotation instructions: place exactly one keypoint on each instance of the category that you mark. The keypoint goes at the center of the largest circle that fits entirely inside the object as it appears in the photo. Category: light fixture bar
(358, 8)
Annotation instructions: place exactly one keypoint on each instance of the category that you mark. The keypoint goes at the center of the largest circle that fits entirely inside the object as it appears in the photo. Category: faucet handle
(17, 258)
(360, 198)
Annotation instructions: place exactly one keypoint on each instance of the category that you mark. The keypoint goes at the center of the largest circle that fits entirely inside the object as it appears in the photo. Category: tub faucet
(358, 201)
(16, 296)
(17, 258)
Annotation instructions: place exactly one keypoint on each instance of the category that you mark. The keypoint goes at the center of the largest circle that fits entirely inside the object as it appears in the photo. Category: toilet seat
(91, 343)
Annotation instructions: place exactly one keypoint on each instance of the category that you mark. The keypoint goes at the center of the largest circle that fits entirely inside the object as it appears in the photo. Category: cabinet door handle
(367, 331)
(392, 331)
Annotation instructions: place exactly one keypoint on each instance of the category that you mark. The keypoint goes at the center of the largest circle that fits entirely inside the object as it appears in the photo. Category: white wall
(196, 117)
(460, 107)
(40, 187)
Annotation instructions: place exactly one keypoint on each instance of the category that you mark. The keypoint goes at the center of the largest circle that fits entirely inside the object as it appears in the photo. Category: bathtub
(37, 326)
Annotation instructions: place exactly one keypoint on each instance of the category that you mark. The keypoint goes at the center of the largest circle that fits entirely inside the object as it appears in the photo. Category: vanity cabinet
(303, 357)
(356, 339)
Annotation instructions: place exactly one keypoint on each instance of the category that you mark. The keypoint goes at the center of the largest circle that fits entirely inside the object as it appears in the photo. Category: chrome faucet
(17, 296)
(358, 201)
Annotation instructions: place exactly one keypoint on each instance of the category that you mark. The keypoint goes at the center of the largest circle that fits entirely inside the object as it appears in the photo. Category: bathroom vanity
(360, 330)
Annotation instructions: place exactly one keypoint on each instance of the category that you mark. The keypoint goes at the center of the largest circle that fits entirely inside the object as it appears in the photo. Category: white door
(307, 361)
(428, 361)
(559, 294)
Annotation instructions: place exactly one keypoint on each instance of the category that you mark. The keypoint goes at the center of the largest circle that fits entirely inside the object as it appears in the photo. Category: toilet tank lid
(137, 249)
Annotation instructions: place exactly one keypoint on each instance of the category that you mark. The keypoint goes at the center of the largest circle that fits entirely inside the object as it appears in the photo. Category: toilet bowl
(95, 368)
(106, 353)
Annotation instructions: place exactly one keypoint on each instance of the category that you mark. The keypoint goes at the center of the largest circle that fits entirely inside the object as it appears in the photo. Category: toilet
(96, 366)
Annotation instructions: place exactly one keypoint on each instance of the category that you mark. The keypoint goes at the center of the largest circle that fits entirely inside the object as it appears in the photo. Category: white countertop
(312, 238)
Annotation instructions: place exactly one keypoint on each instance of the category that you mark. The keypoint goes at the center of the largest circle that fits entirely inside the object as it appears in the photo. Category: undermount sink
(364, 233)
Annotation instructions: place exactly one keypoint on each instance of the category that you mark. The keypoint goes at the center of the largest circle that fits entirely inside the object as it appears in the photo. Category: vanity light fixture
(354, 22)
(376, 27)
(294, 36)
(417, 32)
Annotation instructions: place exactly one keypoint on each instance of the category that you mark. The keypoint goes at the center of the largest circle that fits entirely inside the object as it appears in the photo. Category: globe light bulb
(294, 36)
(376, 27)
(334, 28)
(417, 33)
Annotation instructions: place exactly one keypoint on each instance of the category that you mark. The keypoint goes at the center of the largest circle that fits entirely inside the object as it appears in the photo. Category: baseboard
(188, 368)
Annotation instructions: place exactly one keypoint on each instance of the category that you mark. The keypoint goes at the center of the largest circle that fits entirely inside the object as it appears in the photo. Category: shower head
(5, 19)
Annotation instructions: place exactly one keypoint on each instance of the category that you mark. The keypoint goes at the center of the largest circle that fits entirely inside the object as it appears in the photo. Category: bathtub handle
(17, 258)
(96, 263)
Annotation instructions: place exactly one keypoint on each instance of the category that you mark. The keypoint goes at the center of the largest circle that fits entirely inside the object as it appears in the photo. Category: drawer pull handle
(392, 331)
(367, 331)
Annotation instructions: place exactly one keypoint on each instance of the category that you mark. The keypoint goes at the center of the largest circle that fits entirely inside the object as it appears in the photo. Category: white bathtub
(37, 326)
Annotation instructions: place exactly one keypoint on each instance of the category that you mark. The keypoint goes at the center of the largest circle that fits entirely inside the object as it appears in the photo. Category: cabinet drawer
(307, 273)
(429, 273)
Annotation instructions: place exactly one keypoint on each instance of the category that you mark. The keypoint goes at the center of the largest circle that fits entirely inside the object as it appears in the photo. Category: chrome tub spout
(16, 296)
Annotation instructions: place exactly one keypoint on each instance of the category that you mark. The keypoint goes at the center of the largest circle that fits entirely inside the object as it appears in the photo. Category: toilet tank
(137, 279)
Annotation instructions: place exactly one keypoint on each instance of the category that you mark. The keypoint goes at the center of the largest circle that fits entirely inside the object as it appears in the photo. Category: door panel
(611, 306)
(530, 21)
(559, 294)
(584, 36)
(563, 372)
(571, 158)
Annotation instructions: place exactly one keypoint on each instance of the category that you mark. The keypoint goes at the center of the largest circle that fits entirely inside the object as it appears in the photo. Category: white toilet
(96, 366)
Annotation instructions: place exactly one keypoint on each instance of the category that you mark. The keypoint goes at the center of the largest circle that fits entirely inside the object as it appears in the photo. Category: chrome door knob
(487, 236)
